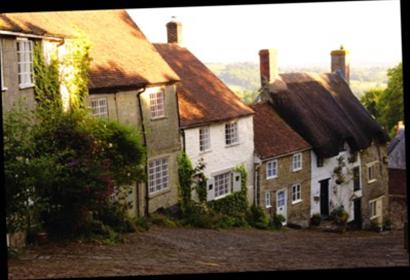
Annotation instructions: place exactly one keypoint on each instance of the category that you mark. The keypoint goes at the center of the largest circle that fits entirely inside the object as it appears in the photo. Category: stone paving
(184, 250)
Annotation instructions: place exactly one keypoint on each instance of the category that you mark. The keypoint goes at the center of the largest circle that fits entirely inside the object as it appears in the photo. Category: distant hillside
(243, 77)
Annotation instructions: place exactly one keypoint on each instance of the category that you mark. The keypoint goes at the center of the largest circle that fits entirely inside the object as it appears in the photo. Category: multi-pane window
(99, 107)
(25, 62)
(272, 169)
(375, 207)
(297, 162)
(296, 193)
(157, 104)
(371, 172)
(268, 200)
(204, 139)
(157, 175)
(231, 133)
(319, 161)
(222, 184)
(356, 178)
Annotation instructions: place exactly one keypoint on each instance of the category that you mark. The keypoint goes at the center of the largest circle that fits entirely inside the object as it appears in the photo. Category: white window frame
(97, 110)
(3, 87)
(222, 184)
(268, 200)
(26, 77)
(204, 139)
(157, 104)
(372, 166)
(296, 193)
(231, 133)
(297, 158)
(158, 175)
(271, 169)
(375, 208)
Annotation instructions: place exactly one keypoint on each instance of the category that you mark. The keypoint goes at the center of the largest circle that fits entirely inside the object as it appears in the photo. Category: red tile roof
(122, 56)
(203, 97)
(272, 136)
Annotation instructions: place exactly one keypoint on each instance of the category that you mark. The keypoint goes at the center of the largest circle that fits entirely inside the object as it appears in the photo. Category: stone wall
(298, 213)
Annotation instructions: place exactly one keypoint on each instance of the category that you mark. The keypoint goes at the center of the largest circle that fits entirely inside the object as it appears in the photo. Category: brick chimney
(268, 66)
(174, 31)
(340, 63)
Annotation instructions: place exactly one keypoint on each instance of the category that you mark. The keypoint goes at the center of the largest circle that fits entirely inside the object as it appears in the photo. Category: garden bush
(315, 220)
(277, 221)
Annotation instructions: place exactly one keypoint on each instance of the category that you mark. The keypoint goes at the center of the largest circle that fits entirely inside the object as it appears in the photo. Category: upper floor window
(204, 139)
(272, 169)
(231, 133)
(3, 87)
(99, 107)
(319, 161)
(25, 62)
(157, 175)
(157, 104)
(297, 162)
(371, 172)
(356, 178)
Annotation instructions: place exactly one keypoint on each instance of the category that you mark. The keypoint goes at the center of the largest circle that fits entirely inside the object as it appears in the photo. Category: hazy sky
(304, 34)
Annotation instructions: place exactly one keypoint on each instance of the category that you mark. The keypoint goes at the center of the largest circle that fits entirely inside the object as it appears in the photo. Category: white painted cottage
(215, 125)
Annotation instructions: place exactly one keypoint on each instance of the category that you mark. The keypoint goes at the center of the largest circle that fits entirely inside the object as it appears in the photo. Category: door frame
(285, 215)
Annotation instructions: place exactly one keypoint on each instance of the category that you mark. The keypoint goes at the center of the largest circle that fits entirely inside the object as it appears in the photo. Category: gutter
(27, 35)
(146, 209)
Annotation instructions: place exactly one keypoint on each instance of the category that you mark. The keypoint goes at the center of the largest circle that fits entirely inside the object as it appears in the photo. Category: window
(157, 104)
(297, 162)
(319, 161)
(375, 207)
(231, 133)
(204, 139)
(268, 203)
(99, 107)
(356, 179)
(3, 87)
(371, 172)
(272, 169)
(25, 62)
(157, 175)
(296, 193)
(222, 184)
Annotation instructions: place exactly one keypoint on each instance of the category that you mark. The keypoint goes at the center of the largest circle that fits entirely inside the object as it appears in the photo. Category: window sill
(205, 152)
(158, 193)
(296, 170)
(232, 145)
(297, 201)
(271, 178)
(4, 89)
(371, 181)
(268, 206)
(222, 196)
(24, 86)
(158, 118)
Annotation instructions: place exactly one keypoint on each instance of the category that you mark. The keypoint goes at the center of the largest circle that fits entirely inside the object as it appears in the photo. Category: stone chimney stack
(174, 31)
(340, 63)
(268, 66)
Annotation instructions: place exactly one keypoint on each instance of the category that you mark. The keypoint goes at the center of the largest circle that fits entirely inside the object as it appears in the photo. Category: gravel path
(184, 250)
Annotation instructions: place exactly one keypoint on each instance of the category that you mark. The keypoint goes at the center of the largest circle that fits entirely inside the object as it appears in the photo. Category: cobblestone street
(183, 250)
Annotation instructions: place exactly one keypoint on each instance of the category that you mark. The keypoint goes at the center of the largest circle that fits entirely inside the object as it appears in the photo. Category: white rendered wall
(222, 158)
(338, 194)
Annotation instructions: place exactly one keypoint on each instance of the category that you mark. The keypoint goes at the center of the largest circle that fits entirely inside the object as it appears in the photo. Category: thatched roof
(324, 111)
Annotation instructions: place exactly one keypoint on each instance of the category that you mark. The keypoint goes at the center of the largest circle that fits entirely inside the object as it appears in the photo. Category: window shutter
(210, 189)
(236, 181)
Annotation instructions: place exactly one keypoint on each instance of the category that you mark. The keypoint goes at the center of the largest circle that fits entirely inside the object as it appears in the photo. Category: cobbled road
(184, 250)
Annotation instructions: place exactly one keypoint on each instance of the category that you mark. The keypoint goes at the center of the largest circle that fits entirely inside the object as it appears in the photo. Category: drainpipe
(146, 210)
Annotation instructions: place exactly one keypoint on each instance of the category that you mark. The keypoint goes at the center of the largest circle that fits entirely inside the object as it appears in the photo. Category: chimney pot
(174, 31)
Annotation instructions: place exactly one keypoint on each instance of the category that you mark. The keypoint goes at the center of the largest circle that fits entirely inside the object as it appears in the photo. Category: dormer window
(25, 62)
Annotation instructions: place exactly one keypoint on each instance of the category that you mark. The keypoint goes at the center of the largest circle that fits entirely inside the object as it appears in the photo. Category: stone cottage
(215, 125)
(282, 168)
(129, 82)
(397, 178)
(349, 155)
